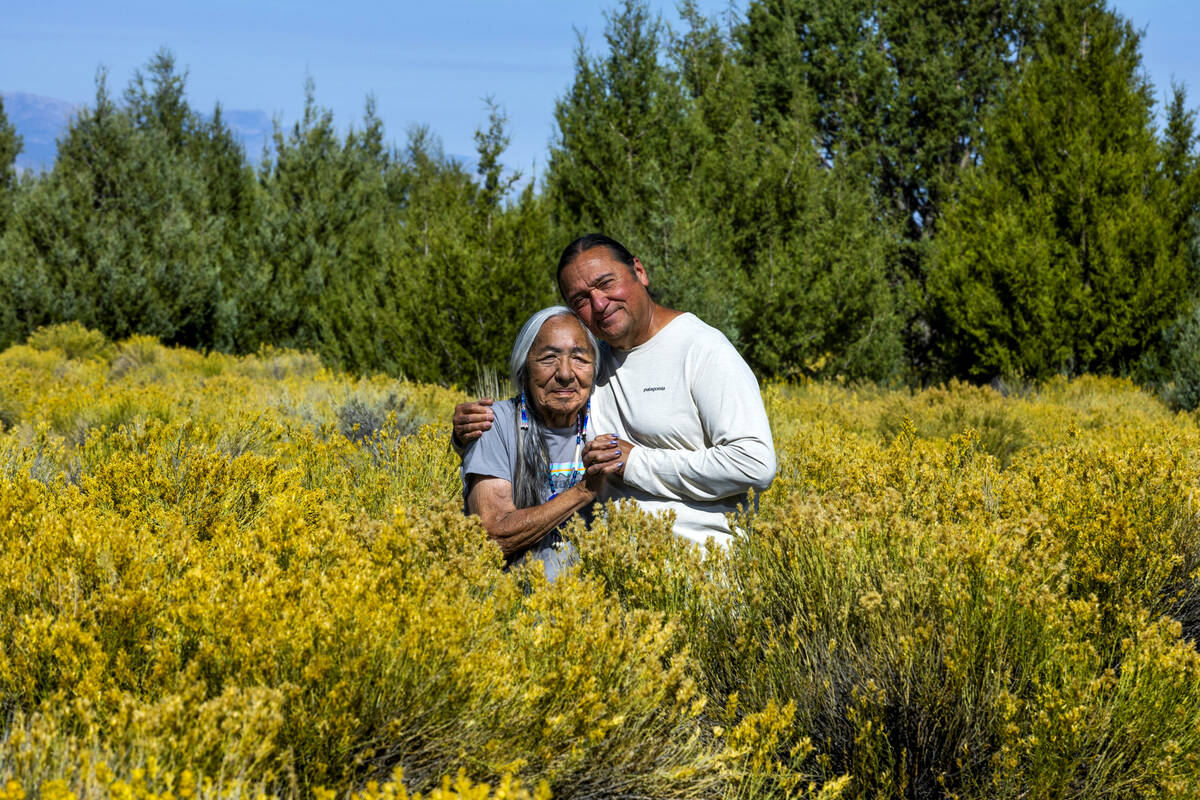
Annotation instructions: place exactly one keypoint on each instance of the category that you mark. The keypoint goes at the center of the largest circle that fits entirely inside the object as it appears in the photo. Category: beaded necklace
(581, 421)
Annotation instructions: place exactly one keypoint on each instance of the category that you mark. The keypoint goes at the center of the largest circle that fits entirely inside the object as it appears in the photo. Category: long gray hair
(533, 458)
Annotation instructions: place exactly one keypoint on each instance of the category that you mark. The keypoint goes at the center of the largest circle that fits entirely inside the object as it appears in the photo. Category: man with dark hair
(675, 405)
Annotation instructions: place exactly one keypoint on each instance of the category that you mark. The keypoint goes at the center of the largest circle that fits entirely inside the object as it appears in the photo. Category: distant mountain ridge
(40, 121)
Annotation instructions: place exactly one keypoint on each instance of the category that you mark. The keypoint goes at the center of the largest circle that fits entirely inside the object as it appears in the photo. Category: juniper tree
(10, 148)
(896, 88)
(1180, 164)
(894, 91)
(736, 219)
(476, 263)
(121, 234)
(1060, 253)
(804, 240)
(617, 158)
(325, 240)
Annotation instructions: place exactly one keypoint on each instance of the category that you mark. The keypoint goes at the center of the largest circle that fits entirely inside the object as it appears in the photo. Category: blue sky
(430, 63)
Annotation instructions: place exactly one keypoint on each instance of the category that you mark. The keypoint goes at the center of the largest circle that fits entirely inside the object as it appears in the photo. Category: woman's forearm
(518, 528)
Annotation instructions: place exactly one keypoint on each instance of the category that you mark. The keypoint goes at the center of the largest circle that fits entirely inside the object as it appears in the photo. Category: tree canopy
(856, 189)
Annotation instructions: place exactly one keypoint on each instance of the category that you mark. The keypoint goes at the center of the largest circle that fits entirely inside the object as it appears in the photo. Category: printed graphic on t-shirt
(564, 475)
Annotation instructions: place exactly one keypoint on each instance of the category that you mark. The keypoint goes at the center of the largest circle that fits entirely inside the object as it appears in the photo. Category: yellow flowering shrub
(925, 613)
(236, 577)
(221, 578)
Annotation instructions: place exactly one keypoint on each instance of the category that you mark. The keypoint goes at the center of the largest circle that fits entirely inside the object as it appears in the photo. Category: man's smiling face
(609, 297)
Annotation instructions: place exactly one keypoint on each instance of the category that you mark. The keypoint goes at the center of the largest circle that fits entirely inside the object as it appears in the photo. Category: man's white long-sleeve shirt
(691, 406)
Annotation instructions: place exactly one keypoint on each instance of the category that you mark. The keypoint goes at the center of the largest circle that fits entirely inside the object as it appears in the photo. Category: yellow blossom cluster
(244, 577)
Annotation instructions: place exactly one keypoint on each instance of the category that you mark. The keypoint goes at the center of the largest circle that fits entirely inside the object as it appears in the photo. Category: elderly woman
(525, 476)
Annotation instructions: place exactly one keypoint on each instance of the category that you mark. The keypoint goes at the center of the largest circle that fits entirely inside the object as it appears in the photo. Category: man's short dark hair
(584, 243)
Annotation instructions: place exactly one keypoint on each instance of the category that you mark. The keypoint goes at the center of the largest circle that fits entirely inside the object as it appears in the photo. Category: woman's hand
(471, 420)
(604, 456)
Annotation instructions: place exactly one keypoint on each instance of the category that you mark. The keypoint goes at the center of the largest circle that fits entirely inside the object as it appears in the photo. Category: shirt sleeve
(492, 453)
(738, 453)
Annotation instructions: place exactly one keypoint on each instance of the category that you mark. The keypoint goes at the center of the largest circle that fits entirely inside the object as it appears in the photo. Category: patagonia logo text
(655, 389)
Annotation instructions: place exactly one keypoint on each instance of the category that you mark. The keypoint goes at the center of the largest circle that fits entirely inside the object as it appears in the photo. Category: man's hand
(471, 420)
(605, 456)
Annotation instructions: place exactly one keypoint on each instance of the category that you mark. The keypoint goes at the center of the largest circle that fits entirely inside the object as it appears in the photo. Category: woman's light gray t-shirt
(495, 454)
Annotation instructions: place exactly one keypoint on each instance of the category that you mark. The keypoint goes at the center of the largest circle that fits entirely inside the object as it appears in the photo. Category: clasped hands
(603, 457)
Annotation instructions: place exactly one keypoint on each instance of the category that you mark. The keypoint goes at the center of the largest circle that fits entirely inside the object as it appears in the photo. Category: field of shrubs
(236, 577)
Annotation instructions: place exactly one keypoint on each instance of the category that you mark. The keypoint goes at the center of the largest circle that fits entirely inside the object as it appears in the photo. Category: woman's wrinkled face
(561, 368)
